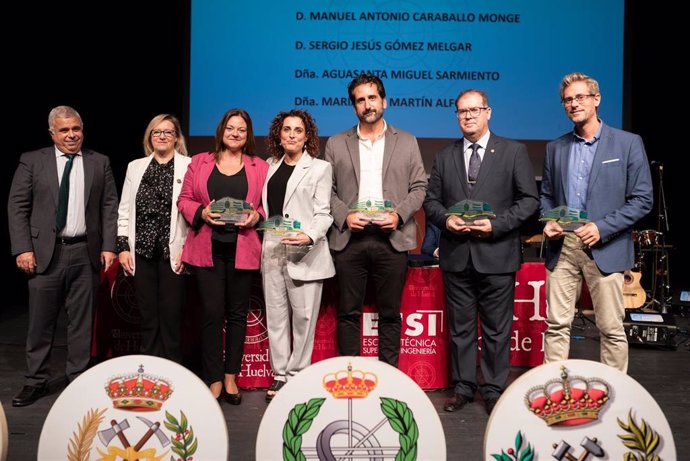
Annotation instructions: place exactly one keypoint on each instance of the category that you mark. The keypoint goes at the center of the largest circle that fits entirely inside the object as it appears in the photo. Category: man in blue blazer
(604, 171)
(479, 260)
(62, 253)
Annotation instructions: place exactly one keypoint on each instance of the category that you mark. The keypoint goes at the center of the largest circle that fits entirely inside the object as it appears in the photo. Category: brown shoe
(456, 403)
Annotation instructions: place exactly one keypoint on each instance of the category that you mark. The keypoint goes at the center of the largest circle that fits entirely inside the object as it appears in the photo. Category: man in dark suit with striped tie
(479, 261)
(62, 214)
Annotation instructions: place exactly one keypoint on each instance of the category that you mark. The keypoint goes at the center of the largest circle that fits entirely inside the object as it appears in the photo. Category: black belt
(70, 240)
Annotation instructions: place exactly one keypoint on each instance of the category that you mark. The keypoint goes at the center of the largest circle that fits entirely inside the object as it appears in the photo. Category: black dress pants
(160, 297)
(489, 297)
(225, 293)
(370, 255)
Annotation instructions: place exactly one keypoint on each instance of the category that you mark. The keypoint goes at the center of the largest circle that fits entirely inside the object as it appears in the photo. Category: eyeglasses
(165, 133)
(473, 111)
(580, 98)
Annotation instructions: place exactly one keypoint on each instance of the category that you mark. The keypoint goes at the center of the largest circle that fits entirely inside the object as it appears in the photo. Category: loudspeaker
(650, 329)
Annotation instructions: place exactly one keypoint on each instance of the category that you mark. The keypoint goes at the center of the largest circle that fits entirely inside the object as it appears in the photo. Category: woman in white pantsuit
(294, 265)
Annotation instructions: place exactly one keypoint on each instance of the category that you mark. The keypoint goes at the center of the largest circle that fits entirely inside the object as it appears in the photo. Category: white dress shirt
(76, 210)
(371, 165)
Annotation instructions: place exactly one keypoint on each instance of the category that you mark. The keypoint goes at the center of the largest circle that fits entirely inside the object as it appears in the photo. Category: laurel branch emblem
(398, 414)
(401, 419)
(642, 439)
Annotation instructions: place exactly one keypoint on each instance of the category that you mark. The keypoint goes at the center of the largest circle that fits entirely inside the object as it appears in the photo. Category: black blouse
(220, 185)
(154, 203)
(275, 191)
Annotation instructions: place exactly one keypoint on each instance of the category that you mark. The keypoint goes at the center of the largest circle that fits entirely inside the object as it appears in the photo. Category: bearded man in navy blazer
(605, 171)
(479, 261)
(62, 253)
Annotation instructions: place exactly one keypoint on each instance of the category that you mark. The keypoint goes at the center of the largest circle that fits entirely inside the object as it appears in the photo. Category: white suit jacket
(308, 200)
(127, 212)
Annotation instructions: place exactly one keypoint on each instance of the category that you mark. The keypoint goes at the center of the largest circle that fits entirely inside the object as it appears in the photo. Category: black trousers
(224, 293)
(70, 282)
(160, 297)
(370, 255)
(491, 296)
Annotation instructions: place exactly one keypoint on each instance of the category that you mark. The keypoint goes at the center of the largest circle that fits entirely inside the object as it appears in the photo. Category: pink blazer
(194, 193)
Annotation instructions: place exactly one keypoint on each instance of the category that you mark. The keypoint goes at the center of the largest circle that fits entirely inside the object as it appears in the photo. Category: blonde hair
(592, 85)
(180, 143)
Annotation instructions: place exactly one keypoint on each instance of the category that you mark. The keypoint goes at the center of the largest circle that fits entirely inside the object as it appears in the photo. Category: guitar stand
(655, 305)
(660, 281)
(580, 320)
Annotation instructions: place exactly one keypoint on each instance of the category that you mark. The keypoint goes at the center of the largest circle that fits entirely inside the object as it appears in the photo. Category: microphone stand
(661, 200)
(661, 254)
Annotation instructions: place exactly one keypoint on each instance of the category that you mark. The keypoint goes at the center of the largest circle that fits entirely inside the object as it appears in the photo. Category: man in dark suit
(479, 261)
(62, 212)
(602, 170)
(373, 160)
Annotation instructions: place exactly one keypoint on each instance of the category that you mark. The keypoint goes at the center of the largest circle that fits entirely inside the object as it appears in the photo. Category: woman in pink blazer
(224, 256)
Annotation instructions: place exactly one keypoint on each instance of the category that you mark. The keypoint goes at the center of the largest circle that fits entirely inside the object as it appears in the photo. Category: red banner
(529, 317)
(256, 366)
(424, 343)
(424, 336)
(424, 348)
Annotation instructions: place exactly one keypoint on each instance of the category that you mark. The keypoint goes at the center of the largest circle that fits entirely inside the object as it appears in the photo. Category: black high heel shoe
(232, 399)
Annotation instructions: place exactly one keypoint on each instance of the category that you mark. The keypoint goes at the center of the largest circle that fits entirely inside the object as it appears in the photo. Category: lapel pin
(492, 151)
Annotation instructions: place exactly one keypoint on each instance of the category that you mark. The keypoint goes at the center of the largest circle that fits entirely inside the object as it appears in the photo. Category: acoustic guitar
(634, 295)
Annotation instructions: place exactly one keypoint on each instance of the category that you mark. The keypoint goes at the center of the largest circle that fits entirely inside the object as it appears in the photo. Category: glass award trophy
(277, 225)
(231, 210)
(568, 218)
(471, 210)
(373, 209)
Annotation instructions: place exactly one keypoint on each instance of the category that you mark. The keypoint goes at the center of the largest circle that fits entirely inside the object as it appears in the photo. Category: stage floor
(663, 372)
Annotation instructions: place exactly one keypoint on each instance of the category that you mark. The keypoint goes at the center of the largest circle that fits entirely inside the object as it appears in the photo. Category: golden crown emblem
(568, 401)
(350, 384)
(138, 391)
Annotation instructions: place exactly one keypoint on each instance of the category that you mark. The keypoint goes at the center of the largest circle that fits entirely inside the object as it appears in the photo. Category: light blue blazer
(619, 194)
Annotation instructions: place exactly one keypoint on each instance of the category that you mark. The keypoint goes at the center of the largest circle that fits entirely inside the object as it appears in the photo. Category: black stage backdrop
(120, 64)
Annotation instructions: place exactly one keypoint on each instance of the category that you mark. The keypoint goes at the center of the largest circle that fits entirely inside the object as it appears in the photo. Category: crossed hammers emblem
(117, 430)
(591, 447)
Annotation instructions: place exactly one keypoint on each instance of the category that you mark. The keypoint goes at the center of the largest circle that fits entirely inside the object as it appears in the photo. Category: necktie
(63, 197)
(475, 163)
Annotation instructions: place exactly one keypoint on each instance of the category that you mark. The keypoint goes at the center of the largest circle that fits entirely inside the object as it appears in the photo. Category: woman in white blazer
(294, 265)
(151, 234)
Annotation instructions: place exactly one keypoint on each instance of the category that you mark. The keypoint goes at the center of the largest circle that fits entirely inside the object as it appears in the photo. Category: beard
(371, 117)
